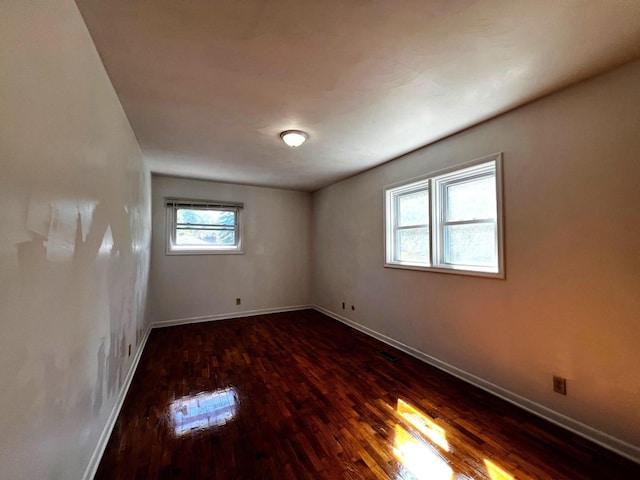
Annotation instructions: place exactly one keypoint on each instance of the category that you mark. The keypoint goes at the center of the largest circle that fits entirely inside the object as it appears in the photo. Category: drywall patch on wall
(74, 247)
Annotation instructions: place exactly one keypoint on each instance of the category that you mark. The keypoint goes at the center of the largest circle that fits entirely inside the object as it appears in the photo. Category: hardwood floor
(301, 396)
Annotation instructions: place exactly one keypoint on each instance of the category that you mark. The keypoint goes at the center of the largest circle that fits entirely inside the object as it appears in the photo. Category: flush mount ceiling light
(294, 138)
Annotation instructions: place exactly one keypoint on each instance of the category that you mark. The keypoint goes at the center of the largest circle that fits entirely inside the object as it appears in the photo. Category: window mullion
(396, 210)
(440, 213)
(430, 211)
(200, 233)
(456, 242)
(205, 226)
(469, 222)
(442, 250)
(409, 227)
(174, 221)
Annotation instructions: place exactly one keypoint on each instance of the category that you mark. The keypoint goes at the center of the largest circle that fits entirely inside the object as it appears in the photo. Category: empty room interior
(326, 240)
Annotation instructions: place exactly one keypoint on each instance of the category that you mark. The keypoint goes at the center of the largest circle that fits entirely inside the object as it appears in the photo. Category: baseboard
(227, 316)
(605, 440)
(92, 467)
(94, 462)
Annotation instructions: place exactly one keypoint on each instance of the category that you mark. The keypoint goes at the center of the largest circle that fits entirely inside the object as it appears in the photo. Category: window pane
(199, 216)
(471, 244)
(413, 245)
(413, 208)
(199, 237)
(471, 200)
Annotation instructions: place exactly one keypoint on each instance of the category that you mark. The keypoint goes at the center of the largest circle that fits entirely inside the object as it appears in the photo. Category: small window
(463, 207)
(199, 227)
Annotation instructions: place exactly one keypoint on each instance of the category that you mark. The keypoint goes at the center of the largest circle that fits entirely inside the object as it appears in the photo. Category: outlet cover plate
(560, 385)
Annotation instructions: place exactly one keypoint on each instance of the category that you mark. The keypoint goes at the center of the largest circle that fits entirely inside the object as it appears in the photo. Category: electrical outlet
(343, 305)
(353, 308)
(560, 385)
(238, 301)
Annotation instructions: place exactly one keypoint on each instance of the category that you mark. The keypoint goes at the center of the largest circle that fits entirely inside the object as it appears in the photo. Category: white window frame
(436, 183)
(393, 201)
(173, 204)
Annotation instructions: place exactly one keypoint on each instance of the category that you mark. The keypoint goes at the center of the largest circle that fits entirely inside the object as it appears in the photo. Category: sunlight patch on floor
(421, 459)
(424, 424)
(495, 472)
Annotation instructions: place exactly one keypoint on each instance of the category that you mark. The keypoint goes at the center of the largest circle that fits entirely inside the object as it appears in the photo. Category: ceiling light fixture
(294, 138)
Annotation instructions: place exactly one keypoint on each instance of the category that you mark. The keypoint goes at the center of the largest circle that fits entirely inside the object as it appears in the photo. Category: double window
(197, 227)
(450, 221)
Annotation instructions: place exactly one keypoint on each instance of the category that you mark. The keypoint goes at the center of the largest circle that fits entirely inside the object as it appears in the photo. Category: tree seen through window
(199, 226)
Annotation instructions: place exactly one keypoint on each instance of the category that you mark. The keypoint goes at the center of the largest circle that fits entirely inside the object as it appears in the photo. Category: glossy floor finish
(301, 396)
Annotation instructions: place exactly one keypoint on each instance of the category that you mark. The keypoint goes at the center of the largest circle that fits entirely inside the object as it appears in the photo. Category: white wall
(273, 273)
(570, 304)
(74, 242)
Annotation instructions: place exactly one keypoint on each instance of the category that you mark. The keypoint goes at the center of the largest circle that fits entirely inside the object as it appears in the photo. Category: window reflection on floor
(495, 472)
(420, 458)
(424, 424)
(205, 410)
(424, 452)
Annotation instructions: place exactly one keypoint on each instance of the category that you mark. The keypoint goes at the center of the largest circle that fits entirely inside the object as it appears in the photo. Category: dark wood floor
(299, 395)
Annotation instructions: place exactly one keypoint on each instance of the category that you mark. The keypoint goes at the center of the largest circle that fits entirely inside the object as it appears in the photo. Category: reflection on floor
(203, 410)
(300, 396)
(419, 457)
(423, 452)
(424, 424)
(495, 472)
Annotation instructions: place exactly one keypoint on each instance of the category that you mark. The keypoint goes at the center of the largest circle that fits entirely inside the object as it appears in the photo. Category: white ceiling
(209, 85)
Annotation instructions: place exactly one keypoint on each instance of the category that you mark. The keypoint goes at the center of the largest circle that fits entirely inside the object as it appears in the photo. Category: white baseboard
(227, 316)
(94, 462)
(605, 440)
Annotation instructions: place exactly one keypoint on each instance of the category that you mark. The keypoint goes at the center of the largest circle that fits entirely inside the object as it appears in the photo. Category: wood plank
(298, 395)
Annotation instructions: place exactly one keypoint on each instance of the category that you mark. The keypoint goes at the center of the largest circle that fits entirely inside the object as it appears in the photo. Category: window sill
(451, 270)
(204, 251)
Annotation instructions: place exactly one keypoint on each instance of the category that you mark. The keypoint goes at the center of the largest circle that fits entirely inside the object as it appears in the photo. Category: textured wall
(273, 272)
(570, 302)
(74, 242)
